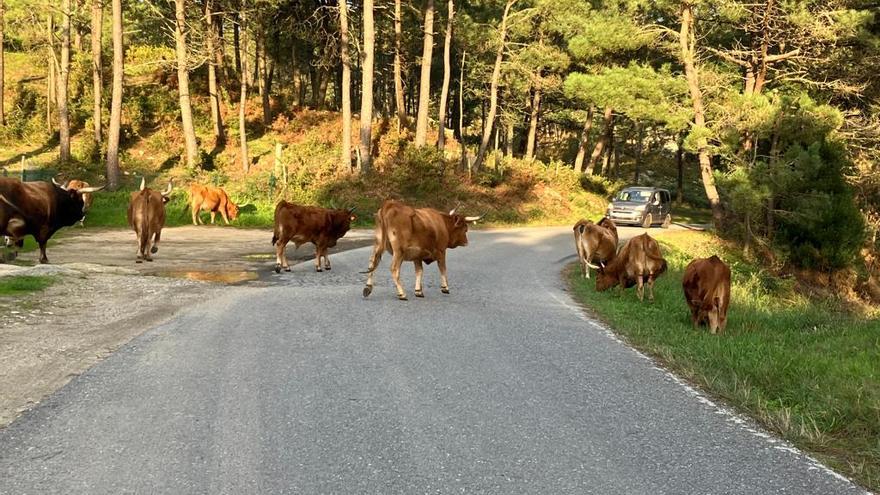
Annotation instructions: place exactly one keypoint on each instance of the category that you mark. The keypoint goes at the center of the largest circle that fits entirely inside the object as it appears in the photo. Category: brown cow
(595, 242)
(639, 261)
(301, 224)
(417, 235)
(38, 209)
(213, 199)
(706, 285)
(146, 215)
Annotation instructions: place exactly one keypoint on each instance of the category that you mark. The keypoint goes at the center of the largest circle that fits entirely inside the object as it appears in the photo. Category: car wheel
(667, 221)
(646, 223)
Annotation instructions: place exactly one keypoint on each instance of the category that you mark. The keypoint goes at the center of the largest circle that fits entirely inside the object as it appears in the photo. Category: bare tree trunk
(607, 122)
(189, 131)
(322, 88)
(2, 61)
(533, 124)
(211, 39)
(116, 99)
(508, 139)
(465, 163)
(688, 57)
(263, 76)
(236, 43)
(97, 82)
(365, 157)
(640, 142)
(585, 142)
(425, 86)
(297, 78)
(242, 102)
(679, 163)
(398, 79)
(447, 74)
(345, 158)
(64, 77)
(493, 93)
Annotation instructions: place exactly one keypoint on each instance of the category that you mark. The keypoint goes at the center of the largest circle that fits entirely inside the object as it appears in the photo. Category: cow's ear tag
(352, 218)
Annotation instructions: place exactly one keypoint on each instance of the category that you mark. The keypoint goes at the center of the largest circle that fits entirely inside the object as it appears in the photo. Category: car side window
(664, 197)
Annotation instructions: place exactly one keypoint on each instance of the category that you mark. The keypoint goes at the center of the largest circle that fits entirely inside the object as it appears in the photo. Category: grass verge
(806, 370)
(20, 285)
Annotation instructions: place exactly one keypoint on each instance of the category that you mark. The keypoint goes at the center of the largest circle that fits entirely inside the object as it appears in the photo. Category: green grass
(806, 370)
(690, 215)
(20, 285)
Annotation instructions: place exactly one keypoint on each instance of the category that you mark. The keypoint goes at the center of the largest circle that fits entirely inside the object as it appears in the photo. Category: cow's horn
(91, 189)
(473, 219)
(594, 267)
(143, 183)
(62, 186)
(351, 210)
(167, 191)
(242, 205)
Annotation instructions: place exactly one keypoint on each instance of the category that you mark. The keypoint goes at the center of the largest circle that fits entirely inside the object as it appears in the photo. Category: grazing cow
(706, 285)
(213, 199)
(595, 242)
(301, 224)
(639, 261)
(38, 209)
(146, 215)
(417, 235)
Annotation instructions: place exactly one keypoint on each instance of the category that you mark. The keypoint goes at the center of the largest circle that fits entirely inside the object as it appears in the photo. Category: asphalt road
(504, 386)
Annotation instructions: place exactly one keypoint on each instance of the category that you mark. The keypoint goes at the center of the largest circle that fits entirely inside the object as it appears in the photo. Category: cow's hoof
(277, 268)
(154, 250)
(149, 259)
(402, 297)
(138, 260)
(286, 268)
(444, 290)
(420, 293)
(327, 268)
(318, 269)
(368, 290)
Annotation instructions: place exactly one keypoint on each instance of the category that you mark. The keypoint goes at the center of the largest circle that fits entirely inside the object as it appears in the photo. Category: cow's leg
(213, 216)
(195, 212)
(419, 271)
(651, 288)
(641, 287)
(156, 238)
(326, 259)
(223, 205)
(396, 261)
(318, 252)
(281, 255)
(43, 258)
(375, 258)
(441, 264)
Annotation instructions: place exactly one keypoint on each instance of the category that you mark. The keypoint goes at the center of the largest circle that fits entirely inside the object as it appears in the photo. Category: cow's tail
(146, 216)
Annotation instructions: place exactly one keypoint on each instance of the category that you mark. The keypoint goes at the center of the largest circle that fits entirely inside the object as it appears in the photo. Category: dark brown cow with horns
(38, 209)
(706, 285)
(301, 224)
(417, 235)
(639, 261)
(595, 243)
(146, 215)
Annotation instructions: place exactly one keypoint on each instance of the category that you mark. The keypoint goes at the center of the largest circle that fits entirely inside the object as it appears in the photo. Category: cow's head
(458, 228)
(231, 210)
(166, 194)
(74, 198)
(604, 279)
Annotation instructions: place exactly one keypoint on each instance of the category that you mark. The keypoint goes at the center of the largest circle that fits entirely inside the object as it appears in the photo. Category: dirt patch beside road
(102, 298)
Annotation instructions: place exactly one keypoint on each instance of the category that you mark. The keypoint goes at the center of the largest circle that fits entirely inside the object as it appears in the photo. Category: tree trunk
(533, 125)
(465, 163)
(297, 78)
(687, 43)
(425, 86)
(189, 131)
(116, 99)
(679, 163)
(2, 62)
(242, 102)
(640, 139)
(97, 82)
(265, 84)
(493, 93)
(236, 43)
(211, 39)
(508, 139)
(585, 142)
(345, 158)
(322, 89)
(367, 92)
(398, 79)
(607, 122)
(447, 74)
(64, 77)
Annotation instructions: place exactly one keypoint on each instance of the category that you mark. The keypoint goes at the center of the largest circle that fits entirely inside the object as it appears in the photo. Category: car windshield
(636, 196)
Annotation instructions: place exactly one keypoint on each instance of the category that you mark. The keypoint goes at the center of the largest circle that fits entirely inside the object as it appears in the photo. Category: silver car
(643, 206)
